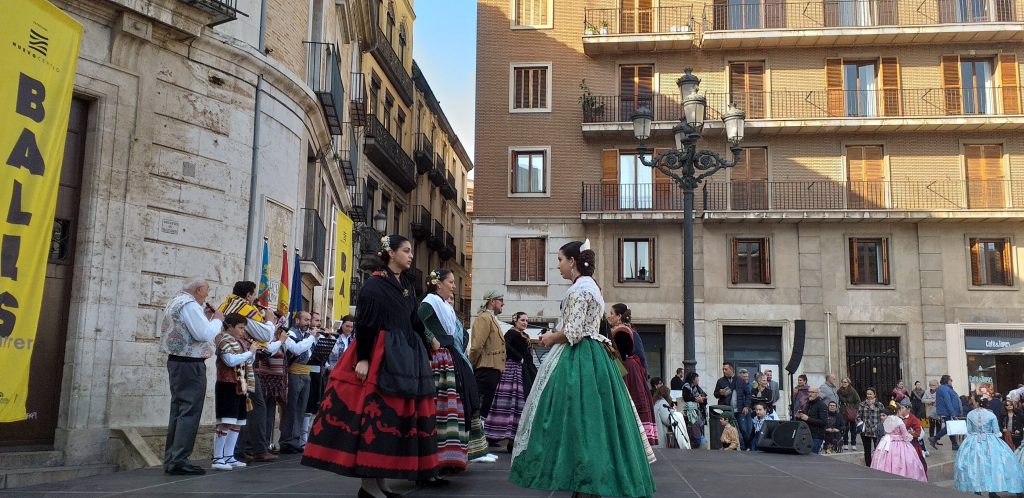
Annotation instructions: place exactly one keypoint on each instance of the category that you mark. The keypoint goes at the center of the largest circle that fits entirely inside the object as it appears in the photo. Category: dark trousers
(869, 447)
(746, 429)
(316, 392)
(253, 438)
(294, 412)
(187, 380)
(487, 382)
(933, 426)
(816, 445)
(850, 434)
(942, 432)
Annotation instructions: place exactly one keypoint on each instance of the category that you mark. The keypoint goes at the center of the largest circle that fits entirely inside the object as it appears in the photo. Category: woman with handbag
(848, 402)
(869, 413)
(579, 416)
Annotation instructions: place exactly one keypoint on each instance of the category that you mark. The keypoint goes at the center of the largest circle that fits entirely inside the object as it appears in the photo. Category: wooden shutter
(735, 261)
(774, 14)
(636, 86)
(515, 260)
(1007, 263)
(947, 11)
(887, 12)
(951, 84)
(610, 179)
(1010, 81)
(664, 189)
(865, 177)
(749, 180)
(720, 19)
(985, 177)
(891, 97)
(1004, 11)
(854, 262)
(832, 18)
(975, 262)
(746, 87)
(834, 86)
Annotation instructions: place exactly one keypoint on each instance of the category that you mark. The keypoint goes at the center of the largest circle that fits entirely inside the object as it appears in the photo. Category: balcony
(421, 220)
(448, 190)
(357, 109)
(393, 67)
(222, 10)
(619, 31)
(344, 158)
(324, 78)
(424, 154)
(817, 111)
(436, 239)
(772, 24)
(448, 251)
(794, 201)
(437, 174)
(388, 155)
(358, 194)
(314, 239)
(416, 275)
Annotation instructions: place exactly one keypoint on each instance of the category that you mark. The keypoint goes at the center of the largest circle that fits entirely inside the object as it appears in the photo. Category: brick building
(878, 196)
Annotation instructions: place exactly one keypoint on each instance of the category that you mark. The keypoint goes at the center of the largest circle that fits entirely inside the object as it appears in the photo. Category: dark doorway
(754, 348)
(874, 362)
(654, 348)
(47, 367)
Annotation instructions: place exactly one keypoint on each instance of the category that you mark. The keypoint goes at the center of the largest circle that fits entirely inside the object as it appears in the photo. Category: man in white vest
(189, 327)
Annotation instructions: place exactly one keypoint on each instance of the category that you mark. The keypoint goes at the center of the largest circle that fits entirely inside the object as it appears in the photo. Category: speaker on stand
(785, 437)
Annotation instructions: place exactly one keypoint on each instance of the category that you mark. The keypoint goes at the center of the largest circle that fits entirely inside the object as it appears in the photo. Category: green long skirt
(584, 435)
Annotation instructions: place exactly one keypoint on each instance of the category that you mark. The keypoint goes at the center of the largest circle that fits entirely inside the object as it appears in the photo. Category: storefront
(1002, 372)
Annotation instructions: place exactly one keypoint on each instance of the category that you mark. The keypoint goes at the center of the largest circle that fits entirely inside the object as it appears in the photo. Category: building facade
(199, 130)
(873, 215)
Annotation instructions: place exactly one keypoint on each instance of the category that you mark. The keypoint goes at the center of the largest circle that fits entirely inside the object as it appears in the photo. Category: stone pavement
(678, 473)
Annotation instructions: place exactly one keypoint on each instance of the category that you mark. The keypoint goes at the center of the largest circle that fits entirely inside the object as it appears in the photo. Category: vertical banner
(38, 52)
(342, 267)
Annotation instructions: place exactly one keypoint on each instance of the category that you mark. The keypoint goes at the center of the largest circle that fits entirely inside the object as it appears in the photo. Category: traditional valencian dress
(984, 462)
(636, 380)
(579, 430)
(895, 454)
(383, 426)
(440, 322)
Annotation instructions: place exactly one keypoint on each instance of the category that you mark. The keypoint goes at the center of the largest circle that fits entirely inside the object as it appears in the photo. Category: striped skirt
(477, 442)
(452, 436)
(503, 419)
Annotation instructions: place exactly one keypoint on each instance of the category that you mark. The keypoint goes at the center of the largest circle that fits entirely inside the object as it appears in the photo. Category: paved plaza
(677, 473)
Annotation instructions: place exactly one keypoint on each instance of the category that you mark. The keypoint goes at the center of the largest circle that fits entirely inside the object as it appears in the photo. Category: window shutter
(766, 275)
(721, 15)
(644, 85)
(985, 177)
(515, 260)
(1010, 81)
(1007, 263)
(834, 85)
(610, 179)
(774, 14)
(947, 13)
(738, 85)
(663, 187)
(891, 102)
(831, 13)
(1004, 11)
(975, 263)
(735, 263)
(755, 90)
(854, 270)
(887, 12)
(885, 261)
(951, 82)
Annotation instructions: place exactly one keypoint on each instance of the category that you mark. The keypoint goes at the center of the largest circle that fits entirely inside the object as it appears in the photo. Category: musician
(299, 346)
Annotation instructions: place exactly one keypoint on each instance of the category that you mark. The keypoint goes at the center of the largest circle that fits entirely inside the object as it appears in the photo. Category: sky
(444, 46)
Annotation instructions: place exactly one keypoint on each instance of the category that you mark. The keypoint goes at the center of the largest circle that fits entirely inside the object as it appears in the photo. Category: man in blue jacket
(947, 406)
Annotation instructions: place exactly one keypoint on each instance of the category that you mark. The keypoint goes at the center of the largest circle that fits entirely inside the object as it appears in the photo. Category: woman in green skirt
(579, 430)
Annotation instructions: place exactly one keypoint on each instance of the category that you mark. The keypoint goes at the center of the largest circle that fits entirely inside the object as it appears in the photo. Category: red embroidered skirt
(361, 432)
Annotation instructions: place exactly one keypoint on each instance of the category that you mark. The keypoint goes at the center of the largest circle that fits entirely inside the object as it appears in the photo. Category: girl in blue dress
(984, 462)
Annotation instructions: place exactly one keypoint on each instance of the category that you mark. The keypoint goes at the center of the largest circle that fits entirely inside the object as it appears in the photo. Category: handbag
(851, 413)
(956, 427)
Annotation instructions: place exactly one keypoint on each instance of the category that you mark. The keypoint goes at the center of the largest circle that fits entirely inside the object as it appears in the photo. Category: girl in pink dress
(895, 454)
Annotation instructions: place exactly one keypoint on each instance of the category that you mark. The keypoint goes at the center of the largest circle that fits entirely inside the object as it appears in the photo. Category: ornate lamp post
(688, 167)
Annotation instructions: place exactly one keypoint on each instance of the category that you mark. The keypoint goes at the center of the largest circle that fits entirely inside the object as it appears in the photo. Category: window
(636, 260)
(385, 203)
(532, 13)
(397, 226)
(636, 182)
(865, 174)
(636, 16)
(863, 88)
(374, 92)
(527, 260)
(529, 170)
(401, 42)
(859, 87)
(990, 262)
(746, 87)
(986, 181)
(869, 261)
(750, 261)
(748, 180)
(531, 88)
(389, 104)
(744, 14)
(399, 127)
(370, 203)
(636, 88)
(981, 85)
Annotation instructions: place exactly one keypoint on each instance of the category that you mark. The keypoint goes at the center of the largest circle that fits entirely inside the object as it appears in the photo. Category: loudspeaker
(785, 437)
(799, 335)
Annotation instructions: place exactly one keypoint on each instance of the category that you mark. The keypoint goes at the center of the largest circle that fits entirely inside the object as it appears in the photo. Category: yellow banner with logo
(342, 266)
(38, 51)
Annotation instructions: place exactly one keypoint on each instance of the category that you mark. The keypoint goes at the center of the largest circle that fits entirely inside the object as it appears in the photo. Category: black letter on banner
(26, 154)
(31, 94)
(10, 247)
(15, 215)
(7, 319)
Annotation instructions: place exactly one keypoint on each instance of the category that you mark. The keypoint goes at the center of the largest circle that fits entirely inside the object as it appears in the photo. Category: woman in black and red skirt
(376, 420)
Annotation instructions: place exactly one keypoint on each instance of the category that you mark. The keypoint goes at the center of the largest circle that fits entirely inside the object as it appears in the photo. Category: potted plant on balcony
(604, 27)
(589, 29)
(592, 108)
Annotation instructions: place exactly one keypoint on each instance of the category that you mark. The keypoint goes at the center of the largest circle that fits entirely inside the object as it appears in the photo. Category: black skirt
(229, 405)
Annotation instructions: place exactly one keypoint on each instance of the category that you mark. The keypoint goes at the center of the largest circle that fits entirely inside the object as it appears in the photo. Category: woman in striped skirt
(514, 386)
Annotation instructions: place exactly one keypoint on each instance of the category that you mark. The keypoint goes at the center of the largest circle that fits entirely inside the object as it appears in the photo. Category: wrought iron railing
(811, 104)
(314, 238)
(424, 153)
(771, 14)
(359, 206)
(436, 239)
(655, 20)
(448, 187)
(223, 10)
(393, 66)
(420, 225)
(324, 77)
(382, 148)
(358, 102)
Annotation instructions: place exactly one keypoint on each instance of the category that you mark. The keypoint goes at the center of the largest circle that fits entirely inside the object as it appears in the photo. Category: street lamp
(687, 167)
(380, 222)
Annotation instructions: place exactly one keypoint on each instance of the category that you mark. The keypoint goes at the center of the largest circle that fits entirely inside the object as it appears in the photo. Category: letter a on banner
(38, 51)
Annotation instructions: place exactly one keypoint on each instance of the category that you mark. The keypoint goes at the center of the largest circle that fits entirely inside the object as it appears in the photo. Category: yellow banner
(343, 266)
(38, 52)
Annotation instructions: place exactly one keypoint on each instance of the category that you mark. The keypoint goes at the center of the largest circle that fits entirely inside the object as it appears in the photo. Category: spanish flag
(283, 297)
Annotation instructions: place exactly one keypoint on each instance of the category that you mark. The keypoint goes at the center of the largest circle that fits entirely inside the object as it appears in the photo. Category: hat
(905, 402)
(493, 294)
